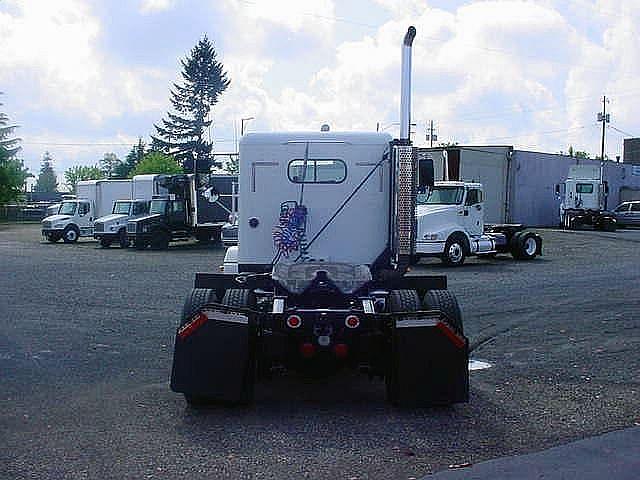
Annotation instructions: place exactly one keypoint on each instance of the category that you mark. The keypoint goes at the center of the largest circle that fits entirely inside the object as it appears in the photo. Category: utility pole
(605, 118)
(430, 135)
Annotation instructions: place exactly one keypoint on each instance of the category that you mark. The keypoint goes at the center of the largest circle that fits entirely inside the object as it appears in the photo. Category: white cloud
(52, 48)
(153, 6)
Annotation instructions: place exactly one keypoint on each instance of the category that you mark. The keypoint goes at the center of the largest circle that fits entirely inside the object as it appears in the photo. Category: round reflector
(352, 321)
(294, 321)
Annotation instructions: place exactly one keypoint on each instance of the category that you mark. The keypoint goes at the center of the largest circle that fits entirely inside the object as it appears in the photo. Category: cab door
(634, 214)
(85, 218)
(176, 215)
(474, 212)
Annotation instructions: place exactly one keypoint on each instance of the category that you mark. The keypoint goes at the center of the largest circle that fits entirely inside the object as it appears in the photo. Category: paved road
(86, 344)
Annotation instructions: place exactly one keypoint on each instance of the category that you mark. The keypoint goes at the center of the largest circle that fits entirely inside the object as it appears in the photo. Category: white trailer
(450, 225)
(113, 227)
(75, 218)
(583, 198)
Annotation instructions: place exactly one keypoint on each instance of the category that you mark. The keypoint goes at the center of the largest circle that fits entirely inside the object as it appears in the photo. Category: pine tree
(133, 158)
(182, 134)
(12, 171)
(47, 177)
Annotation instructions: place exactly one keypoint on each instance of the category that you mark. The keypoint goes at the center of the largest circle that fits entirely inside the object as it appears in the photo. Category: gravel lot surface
(86, 338)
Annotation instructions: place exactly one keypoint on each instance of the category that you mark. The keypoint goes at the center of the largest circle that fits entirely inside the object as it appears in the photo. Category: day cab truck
(450, 225)
(583, 199)
(75, 217)
(195, 206)
(112, 228)
(326, 226)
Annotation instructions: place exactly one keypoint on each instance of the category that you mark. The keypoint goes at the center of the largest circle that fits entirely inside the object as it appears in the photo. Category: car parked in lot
(628, 214)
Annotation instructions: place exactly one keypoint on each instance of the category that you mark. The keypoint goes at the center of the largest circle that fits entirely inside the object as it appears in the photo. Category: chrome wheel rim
(530, 246)
(455, 253)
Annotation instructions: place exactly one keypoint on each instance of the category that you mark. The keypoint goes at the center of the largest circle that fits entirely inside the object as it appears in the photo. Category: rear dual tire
(525, 246)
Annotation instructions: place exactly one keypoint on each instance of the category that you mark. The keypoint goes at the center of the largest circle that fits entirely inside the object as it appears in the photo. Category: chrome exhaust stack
(405, 85)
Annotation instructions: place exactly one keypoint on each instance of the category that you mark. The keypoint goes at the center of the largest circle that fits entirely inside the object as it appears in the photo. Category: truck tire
(244, 298)
(447, 303)
(525, 245)
(196, 299)
(139, 244)
(70, 234)
(455, 250)
(105, 242)
(160, 240)
(398, 301)
(608, 224)
(123, 240)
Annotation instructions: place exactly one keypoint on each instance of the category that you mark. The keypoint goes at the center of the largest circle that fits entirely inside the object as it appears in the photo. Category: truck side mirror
(606, 188)
(558, 189)
(425, 174)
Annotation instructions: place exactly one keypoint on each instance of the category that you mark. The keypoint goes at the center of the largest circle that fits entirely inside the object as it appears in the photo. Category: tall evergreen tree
(109, 164)
(182, 134)
(12, 171)
(133, 158)
(47, 181)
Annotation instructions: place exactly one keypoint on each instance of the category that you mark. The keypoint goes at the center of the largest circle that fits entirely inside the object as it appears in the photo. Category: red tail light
(294, 321)
(352, 321)
(307, 350)
(340, 350)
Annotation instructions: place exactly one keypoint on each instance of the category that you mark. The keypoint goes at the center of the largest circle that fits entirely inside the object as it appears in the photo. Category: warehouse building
(520, 186)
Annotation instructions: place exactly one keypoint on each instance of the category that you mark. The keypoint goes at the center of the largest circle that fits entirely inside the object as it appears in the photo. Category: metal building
(520, 185)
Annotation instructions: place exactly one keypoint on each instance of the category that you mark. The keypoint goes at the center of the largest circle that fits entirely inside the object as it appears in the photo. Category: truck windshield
(442, 196)
(68, 208)
(157, 206)
(122, 208)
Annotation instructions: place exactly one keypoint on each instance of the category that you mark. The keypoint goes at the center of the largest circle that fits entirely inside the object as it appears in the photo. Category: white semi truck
(326, 234)
(112, 228)
(75, 218)
(450, 225)
(583, 199)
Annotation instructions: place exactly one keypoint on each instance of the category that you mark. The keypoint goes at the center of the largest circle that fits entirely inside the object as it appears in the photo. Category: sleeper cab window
(317, 171)
(584, 188)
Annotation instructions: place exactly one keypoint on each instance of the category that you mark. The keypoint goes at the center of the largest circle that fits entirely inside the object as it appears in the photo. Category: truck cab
(583, 199)
(73, 220)
(167, 220)
(450, 225)
(113, 228)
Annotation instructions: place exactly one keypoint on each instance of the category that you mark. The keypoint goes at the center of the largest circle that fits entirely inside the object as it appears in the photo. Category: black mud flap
(214, 356)
(429, 362)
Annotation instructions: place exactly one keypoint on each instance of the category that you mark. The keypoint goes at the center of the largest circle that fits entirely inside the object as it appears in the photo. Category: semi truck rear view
(326, 237)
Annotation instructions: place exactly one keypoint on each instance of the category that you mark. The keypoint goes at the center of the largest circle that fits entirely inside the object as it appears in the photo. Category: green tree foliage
(47, 177)
(182, 134)
(81, 172)
(156, 162)
(109, 163)
(12, 171)
(134, 157)
(578, 153)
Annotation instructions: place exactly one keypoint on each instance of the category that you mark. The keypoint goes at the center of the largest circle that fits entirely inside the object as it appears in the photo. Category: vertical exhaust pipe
(405, 85)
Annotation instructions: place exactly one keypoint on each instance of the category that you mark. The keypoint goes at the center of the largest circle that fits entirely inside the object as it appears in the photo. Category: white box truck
(75, 218)
(112, 228)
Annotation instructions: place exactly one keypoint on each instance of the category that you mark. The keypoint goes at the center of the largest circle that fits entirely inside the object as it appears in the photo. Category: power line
(549, 132)
(623, 132)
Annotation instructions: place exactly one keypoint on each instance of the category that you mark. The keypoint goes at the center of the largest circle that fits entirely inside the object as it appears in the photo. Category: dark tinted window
(635, 207)
(474, 196)
(584, 188)
(622, 208)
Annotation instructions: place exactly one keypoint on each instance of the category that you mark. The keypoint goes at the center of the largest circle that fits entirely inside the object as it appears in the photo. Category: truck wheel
(398, 301)
(139, 245)
(196, 299)
(447, 303)
(609, 225)
(123, 240)
(70, 234)
(525, 246)
(455, 250)
(105, 242)
(160, 241)
(244, 298)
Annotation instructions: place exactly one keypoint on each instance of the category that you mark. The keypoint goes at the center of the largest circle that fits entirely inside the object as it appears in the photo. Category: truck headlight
(145, 228)
(431, 236)
(58, 225)
(112, 228)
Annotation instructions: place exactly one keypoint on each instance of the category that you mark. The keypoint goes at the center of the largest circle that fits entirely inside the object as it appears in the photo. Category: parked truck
(326, 236)
(583, 199)
(195, 206)
(75, 217)
(112, 228)
(450, 225)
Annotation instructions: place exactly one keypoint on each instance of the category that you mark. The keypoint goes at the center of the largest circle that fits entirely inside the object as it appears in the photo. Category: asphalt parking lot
(86, 340)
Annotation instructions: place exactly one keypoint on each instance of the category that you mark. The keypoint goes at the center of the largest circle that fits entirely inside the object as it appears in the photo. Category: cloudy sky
(85, 77)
